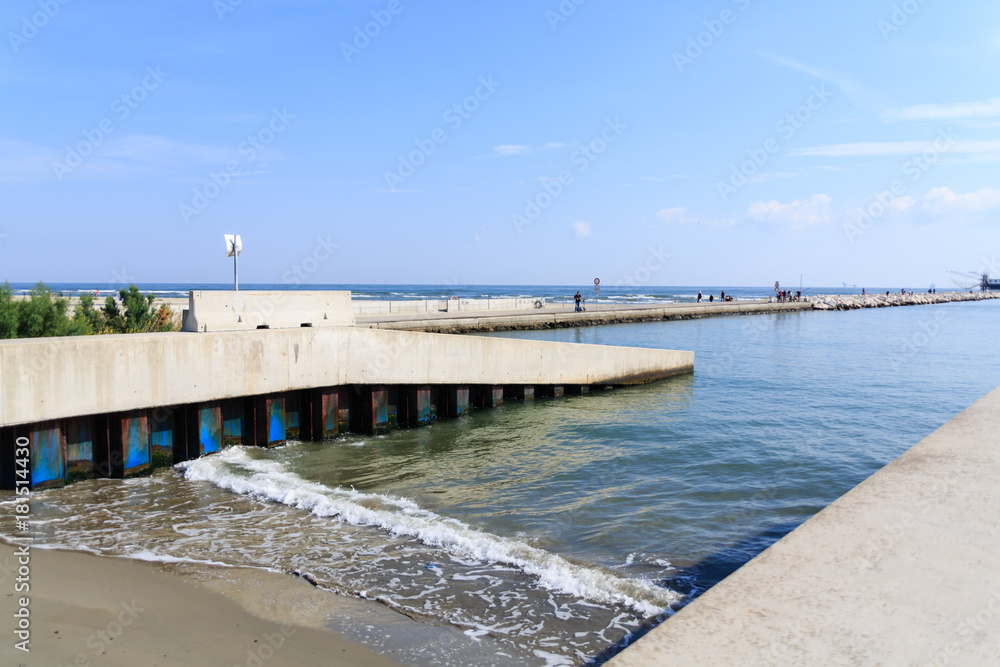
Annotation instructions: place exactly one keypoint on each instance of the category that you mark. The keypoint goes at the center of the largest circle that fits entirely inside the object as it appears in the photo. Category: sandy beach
(87, 610)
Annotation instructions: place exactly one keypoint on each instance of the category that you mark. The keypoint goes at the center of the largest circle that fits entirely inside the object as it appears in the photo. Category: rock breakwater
(884, 301)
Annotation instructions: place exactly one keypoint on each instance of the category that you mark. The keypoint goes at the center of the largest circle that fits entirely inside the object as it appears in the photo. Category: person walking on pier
(579, 300)
(699, 296)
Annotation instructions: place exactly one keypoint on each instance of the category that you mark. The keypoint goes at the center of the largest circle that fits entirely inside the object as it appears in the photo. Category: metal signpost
(234, 246)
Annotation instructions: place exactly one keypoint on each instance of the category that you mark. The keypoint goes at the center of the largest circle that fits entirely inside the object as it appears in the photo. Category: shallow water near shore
(548, 532)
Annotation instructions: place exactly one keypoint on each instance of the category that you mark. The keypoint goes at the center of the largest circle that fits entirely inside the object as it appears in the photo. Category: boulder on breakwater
(883, 301)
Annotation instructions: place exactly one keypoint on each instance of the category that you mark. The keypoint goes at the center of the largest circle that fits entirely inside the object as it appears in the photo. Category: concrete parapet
(239, 311)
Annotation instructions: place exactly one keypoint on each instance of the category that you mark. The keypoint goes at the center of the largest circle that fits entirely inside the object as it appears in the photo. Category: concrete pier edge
(556, 316)
(903, 569)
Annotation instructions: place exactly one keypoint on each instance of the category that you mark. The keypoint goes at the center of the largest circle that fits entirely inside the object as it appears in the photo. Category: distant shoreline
(559, 315)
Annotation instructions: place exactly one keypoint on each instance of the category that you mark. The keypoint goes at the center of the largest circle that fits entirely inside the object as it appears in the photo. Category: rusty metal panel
(415, 406)
(162, 436)
(129, 443)
(519, 392)
(79, 433)
(462, 401)
(232, 422)
(329, 413)
(293, 417)
(380, 409)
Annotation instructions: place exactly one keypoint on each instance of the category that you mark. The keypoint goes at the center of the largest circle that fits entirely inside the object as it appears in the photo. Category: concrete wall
(373, 308)
(236, 311)
(53, 378)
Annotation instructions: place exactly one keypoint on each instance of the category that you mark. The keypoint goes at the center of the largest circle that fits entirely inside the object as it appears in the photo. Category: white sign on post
(234, 246)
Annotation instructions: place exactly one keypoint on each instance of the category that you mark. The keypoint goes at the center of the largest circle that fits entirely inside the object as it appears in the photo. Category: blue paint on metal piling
(276, 425)
(48, 459)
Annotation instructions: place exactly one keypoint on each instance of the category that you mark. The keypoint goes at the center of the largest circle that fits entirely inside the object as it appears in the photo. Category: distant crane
(969, 280)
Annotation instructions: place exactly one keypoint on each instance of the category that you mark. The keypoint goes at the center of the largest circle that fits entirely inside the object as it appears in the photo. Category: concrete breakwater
(890, 300)
(260, 369)
(558, 316)
(563, 316)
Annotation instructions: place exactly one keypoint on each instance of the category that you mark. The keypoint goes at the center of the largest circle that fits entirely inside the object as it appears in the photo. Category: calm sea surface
(546, 533)
(607, 294)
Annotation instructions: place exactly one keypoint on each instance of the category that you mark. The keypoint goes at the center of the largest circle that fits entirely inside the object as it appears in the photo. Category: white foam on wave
(144, 555)
(235, 470)
(152, 557)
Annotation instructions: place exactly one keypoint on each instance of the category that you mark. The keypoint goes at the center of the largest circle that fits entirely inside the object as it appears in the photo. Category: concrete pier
(558, 316)
(118, 405)
(489, 315)
(902, 570)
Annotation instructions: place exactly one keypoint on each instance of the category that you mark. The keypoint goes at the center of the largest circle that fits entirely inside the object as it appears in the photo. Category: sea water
(554, 532)
(606, 294)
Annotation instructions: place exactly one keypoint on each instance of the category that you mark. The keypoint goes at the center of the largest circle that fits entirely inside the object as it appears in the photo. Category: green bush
(8, 312)
(86, 316)
(42, 314)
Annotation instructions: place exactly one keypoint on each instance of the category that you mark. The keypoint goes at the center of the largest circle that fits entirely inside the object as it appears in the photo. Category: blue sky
(666, 143)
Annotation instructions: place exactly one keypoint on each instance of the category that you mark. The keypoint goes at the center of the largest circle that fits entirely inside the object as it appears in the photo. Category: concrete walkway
(902, 570)
(555, 316)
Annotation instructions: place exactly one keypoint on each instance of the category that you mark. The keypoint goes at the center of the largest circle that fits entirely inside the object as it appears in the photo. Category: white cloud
(581, 229)
(850, 87)
(958, 111)
(152, 148)
(22, 162)
(676, 216)
(884, 148)
(900, 204)
(507, 150)
(797, 214)
(944, 200)
(939, 206)
(117, 157)
(756, 179)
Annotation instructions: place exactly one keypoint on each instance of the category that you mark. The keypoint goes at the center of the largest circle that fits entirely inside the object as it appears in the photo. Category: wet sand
(87, 610)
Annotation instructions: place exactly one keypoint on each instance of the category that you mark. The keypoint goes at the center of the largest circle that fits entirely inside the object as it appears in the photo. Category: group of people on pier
(786, 296)
(711, 297)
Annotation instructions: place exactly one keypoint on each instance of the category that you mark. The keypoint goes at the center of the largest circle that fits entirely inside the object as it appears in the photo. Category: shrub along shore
(43, 314)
